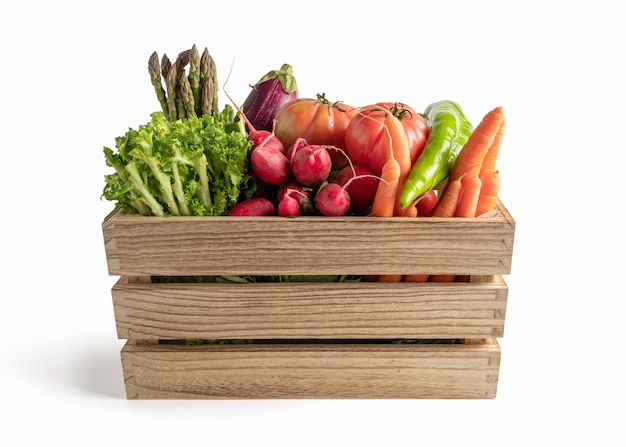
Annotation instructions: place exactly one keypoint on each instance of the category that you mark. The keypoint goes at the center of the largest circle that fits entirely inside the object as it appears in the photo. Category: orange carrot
(415, 278)
(446, 206)
(385, 197)
(470, 158)
(489, 163)
(390, 278)
(469, 197)
(488, 193)
(441, 278)
(401, 150)
(411, 210)
(490, 178)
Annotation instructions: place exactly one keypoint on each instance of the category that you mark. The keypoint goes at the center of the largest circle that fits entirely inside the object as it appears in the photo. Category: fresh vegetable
(469, 162)
(302, 194)
(362, 190)
(264, 138)
(446, 206)
(393, 172)
(426, 203)
(387, 189)
(442, 278)
(469, 197)
(365, 141)
(385, 196)
(267, 155)
(490, 186)
(332, 199)
(471, 157)
(415, 278)
(268, 95)
(395, 169)
(311, 165)
(257, 206)
(489, 162)
(191, 166)
(186, 94)
(449, 131)
(318, 121)
(271, 165)
(288, 206)
(489, 176)
(389, 278)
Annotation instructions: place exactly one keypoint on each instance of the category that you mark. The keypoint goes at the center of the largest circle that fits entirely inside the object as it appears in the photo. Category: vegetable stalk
(186, 94)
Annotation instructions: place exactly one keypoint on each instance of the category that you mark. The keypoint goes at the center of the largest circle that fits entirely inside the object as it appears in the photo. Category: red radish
(288, 206)
(293, 189)
(338, 156)
(297, 145)
(254, 207)
(426, 204)
(301, 194)
(270, 165)
(363, 190)
(311, 165)
(266, 139)
(332, 199)
(296, 191)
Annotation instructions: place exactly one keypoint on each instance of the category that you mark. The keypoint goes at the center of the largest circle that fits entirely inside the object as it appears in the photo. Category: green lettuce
(188, 167)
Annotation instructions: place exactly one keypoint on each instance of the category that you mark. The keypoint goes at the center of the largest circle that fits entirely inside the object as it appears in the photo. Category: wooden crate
(311, 340)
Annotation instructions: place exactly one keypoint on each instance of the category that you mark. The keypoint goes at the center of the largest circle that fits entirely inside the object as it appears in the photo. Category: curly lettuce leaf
(190, 167)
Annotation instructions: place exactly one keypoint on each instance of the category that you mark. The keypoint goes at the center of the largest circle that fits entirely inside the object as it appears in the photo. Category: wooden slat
(311, 371)
(310, 310)
(140, 245)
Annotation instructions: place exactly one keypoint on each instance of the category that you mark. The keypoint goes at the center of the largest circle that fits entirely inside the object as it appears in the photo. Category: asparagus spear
(170, 83)
(155, 76)
(183, 58)
(194, 78)
(181, 62)
(213, 76)
(166, 64)
(206, 84)
(186, 96)
(204, 64)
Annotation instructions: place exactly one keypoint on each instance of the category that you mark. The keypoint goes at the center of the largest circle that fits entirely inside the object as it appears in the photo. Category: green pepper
(449, 130)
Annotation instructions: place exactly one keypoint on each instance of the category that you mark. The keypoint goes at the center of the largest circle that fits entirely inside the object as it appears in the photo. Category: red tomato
(318, 121)
(366, 139)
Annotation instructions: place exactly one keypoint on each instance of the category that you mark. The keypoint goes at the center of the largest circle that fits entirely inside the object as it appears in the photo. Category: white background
(74, 76)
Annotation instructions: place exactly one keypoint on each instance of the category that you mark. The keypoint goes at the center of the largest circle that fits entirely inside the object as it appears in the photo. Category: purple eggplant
(268, 95)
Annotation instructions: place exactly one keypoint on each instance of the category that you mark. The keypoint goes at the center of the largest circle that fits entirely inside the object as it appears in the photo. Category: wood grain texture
(296, 327)
(140, 245)
(463, 371)
(310, 310)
